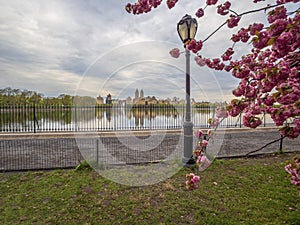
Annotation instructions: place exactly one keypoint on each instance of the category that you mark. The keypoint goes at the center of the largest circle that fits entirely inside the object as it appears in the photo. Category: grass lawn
(248, 191)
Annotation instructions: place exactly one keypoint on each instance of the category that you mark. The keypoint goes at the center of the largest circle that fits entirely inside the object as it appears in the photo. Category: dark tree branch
(272, 142)
(214, 32)
(242, 14)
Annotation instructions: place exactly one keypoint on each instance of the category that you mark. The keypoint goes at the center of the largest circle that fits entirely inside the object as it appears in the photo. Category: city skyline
(141, 95)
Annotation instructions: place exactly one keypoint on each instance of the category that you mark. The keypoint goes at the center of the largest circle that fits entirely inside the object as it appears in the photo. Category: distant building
(100, 100)
(139, 97)
(136, 94)
(151, 100)
(129, 100)
(164, 102)
(108, 99)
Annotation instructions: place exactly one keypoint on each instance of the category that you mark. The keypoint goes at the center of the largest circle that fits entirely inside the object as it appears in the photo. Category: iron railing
(58, 118)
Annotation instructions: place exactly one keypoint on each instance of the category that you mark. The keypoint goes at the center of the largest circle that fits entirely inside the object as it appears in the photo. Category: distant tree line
(13, 96)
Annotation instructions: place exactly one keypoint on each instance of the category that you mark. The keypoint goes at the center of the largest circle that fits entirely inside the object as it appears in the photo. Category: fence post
(34, 119)
(281, 144)
(241, 120)
(97, 153)
(75, 117)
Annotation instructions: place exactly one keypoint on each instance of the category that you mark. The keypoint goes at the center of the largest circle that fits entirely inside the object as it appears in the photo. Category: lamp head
(187, 28)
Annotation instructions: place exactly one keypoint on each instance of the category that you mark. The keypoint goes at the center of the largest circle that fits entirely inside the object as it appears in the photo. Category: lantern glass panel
(183, 32)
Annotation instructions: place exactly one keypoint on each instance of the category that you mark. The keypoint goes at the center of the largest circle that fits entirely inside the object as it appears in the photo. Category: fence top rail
(82, 134)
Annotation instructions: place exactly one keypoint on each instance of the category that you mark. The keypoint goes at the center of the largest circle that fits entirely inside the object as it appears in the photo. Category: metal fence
(38, 154)
(19, 152)
(31, 152)
(58, 118)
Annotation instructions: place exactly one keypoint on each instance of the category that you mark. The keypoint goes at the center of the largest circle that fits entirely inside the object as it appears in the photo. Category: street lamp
(187, 28)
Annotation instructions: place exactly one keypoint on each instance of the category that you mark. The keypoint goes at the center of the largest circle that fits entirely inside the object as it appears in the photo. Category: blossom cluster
(211, 2)
(200, 12)
(199, 154)
(221, 114)
(202, 161)
(223, 9)
(293, 169)
(192, 181)
(269, 77)
(195, 46)
(233, 21)
(175, 52)
(142, 6)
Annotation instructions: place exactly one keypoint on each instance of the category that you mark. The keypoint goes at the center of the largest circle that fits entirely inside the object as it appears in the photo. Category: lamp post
(187, 28)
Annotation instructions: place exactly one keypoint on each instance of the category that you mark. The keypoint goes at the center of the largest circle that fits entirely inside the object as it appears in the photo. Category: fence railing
(58, 118)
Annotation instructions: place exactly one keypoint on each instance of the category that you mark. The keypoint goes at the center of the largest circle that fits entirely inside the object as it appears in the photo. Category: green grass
(248, 191)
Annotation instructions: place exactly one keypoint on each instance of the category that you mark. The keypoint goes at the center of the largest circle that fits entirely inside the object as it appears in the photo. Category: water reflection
(60, 118)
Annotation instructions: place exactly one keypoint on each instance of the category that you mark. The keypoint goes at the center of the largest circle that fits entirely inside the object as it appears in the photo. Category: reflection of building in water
(139, 117)
(99, 113)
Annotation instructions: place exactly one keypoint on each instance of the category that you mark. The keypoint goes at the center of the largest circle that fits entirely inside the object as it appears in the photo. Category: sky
(94, 47)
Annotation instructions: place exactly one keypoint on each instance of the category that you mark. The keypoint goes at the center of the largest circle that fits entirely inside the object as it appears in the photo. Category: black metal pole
(188, 125)
(34, 118)
(281, 144)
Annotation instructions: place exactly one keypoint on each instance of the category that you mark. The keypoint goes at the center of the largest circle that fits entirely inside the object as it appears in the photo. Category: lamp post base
(188, 162)
(188, 159)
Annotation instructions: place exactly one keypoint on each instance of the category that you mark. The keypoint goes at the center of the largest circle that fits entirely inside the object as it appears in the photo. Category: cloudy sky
(94, 47)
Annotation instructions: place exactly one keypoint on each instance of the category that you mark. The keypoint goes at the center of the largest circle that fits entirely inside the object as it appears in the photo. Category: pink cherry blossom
(192, 181)
(203, 163)
(195, 46)
(251, 121)
(200, 61)
(256, 27)
(221, 112)
(175, 52)
(171, 3)
(223, 9)
(277, 13)
(293, 169)
(228, 54)
(204, 143)
(233, 21)
(199, 134)
(200, 13)
(211, 2)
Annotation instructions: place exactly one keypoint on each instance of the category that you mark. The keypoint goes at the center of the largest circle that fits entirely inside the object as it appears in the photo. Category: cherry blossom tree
(269, 74)
(293, 169)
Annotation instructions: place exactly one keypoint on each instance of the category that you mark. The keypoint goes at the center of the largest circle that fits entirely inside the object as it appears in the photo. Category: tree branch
(272, 142)
(242, 14)
(214, 32)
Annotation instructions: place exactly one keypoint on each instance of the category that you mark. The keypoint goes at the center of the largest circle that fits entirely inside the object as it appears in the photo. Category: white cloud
(49, 45)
